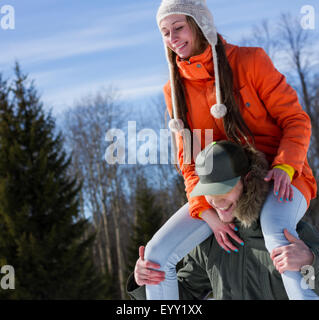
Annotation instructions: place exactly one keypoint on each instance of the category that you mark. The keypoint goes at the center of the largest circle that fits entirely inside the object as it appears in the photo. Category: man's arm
(193, 281)
(310, 236)
(135, 291)
(299, 253)
(144, 273)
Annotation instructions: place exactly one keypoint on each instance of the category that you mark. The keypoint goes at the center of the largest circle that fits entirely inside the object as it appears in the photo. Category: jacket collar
(201, 66)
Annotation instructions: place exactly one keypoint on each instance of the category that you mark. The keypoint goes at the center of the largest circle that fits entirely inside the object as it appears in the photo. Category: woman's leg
(275, 217)
(176, 238)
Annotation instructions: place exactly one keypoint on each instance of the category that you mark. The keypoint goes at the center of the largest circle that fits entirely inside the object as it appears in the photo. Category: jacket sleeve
(281, 102)
(135, 291)
(311, 238)
(193, 280)
(196, 204)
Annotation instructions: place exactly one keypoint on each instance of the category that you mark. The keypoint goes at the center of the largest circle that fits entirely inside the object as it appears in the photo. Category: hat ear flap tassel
(218, 111)
(176, 125)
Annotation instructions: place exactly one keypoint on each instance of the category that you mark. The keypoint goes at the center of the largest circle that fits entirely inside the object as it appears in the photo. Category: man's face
(225, 204)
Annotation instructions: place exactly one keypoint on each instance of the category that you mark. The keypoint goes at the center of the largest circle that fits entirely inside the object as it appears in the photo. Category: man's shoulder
(308, 232)
(203, 249)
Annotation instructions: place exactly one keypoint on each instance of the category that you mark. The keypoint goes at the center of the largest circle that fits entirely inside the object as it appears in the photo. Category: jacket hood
(255, 188)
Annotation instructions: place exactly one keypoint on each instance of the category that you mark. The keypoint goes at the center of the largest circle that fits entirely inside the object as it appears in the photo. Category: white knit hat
(198, 10)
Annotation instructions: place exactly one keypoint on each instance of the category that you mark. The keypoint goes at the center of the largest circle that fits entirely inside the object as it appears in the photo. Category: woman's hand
(143, 272)
(221, 230)
(282, 184)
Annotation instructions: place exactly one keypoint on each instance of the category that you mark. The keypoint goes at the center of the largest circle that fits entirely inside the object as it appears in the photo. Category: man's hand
(293, 256)
(143, 272)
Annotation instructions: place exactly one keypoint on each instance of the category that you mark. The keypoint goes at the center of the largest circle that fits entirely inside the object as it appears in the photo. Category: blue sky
(73, 47)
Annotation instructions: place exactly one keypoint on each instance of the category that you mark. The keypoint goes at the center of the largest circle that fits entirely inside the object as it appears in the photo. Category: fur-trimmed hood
(255, 188)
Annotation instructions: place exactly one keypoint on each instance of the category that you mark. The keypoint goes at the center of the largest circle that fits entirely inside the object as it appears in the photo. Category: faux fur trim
(255, 188)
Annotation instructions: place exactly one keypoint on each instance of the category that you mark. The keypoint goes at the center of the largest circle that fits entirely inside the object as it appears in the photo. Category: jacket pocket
(251, 106)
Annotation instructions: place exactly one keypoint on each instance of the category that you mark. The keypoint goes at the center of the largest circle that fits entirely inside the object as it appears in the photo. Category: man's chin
(227, 217)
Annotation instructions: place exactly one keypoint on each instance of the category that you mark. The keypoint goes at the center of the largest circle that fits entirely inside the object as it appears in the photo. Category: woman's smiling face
(178, 35)
(225, 204)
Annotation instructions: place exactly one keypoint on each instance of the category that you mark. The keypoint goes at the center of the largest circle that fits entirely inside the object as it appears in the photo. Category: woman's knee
(276, 216)
(158, 253)
(269, 223)
(162, 248)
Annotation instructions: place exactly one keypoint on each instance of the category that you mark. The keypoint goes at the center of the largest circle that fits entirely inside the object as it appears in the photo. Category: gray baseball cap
(219, 166)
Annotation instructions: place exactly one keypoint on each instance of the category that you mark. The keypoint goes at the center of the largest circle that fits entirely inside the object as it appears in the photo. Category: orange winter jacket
(268, 105)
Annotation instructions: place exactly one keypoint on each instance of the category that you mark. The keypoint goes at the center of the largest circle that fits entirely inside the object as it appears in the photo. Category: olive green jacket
(246, 275)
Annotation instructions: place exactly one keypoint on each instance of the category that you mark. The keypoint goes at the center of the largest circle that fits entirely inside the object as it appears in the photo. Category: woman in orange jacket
(237, 94)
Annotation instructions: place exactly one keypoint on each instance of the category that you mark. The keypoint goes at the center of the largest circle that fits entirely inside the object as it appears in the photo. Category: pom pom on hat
(218, 111)
(176, 125)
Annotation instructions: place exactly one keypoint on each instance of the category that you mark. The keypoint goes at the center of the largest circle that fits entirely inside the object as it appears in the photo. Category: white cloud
(104, 31)
(129, 89)
(45, 78)
(68, 44)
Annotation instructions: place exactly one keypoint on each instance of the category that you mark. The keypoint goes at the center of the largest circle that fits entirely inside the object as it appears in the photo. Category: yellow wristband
(200, 214)
(287, 168)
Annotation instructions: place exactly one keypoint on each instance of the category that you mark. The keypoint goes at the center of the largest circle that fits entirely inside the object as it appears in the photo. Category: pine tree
(148, 218)
(41, 233)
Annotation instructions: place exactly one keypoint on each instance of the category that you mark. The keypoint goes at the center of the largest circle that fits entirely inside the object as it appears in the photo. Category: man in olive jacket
(249, 274)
